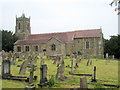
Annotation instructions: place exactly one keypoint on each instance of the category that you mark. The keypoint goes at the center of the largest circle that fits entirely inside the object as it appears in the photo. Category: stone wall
(95, 47)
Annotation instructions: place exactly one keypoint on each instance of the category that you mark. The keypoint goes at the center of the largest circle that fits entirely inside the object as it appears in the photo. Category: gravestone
(106, 55)
(42, 61)
(31, 70)
(106, 58)
(31, 86)
(43, 75)
(6, 68)
(90, 62)
(60, 71)
(83, 83)
(14, 56)
(94, 75)
(23, 67)
(73, 64)
(113, 57)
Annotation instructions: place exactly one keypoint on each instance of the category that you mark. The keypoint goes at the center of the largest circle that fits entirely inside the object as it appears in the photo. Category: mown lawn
(106, 73)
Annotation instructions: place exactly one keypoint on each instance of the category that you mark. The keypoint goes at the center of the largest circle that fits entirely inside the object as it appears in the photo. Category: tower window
(28, 26)
(18, 49)
(27, 48)
(53, 47)
(87, 45)
(18, 25)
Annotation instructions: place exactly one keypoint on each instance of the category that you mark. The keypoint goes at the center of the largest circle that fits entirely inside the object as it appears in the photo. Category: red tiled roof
(31, 41)
(62, 36)
(88, 33)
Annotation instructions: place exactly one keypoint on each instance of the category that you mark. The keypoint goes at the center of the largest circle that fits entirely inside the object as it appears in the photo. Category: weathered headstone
(14, 56)
(31, 86)
(23, 67)
(83, 83)
(31, 70)
(73, 64)
(6, 68)
(60, 71)
(90, 62)
(43, 75)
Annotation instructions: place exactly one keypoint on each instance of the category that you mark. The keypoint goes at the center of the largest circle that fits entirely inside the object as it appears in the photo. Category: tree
(117, 3)
(112, 47)
(8, 40)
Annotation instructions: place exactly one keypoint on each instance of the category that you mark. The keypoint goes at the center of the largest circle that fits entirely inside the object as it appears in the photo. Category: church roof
(62, 36)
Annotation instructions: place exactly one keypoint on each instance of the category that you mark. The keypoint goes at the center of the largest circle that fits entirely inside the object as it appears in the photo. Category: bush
(51, 81)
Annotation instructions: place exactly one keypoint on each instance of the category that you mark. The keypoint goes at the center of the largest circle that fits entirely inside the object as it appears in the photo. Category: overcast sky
(61, 15)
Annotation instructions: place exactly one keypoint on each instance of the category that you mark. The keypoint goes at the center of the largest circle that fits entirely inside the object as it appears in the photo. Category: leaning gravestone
(6, 68)
(23, 67)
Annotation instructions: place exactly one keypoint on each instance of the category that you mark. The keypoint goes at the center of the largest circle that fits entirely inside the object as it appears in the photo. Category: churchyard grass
(106, 73)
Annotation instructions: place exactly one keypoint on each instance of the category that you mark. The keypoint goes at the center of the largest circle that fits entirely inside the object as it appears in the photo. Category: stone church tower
(22, 28)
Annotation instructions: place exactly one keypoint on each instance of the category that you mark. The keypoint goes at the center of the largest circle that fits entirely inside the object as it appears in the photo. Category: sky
(61, 15)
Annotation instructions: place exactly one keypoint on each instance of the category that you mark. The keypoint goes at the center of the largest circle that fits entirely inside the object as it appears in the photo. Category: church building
(85, 42)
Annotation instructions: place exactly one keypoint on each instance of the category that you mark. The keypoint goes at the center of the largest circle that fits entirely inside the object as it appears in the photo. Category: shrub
(51, 81)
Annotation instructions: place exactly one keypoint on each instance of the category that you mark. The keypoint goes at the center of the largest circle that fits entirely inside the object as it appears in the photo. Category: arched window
(18, 25)
(53, 47)
(87, 44)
